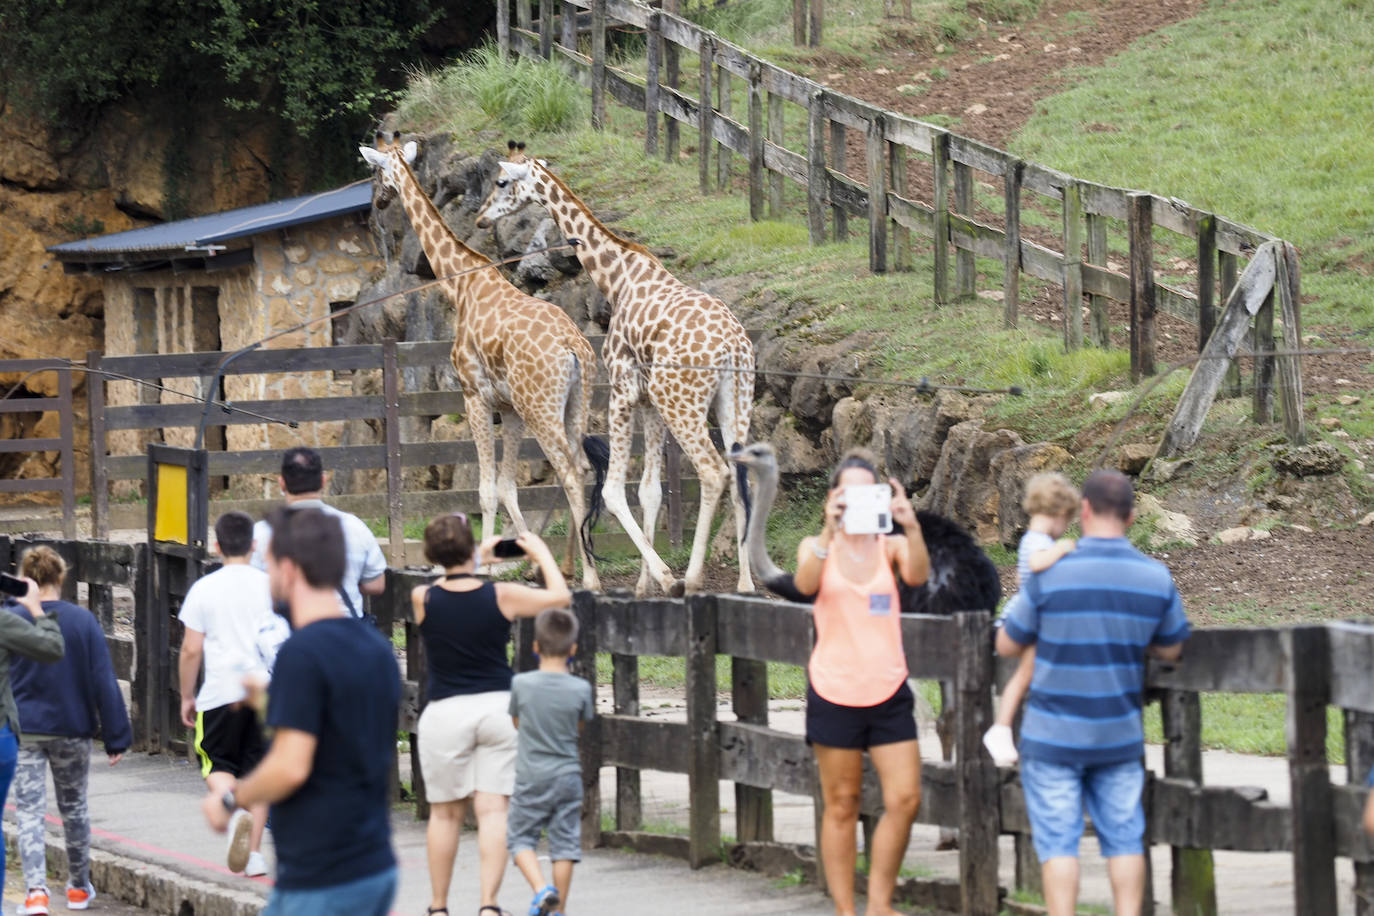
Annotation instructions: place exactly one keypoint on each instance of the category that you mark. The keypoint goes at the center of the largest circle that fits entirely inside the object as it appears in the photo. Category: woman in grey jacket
(39, 638)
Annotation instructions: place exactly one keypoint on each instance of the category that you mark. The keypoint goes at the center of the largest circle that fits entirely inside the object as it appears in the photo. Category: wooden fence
(1313, 666)
(393, 456)
(65, 482)
(955, 220)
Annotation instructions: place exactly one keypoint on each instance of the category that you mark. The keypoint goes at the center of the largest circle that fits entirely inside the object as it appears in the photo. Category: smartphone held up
(867, 509)
(507, 548)
(13, 586)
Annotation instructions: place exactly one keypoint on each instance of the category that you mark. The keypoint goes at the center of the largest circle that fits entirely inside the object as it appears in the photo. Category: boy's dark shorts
(229, 740)
(556, 806)
(859, 727)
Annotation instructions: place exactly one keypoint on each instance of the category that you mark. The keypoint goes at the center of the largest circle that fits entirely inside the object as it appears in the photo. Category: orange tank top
(858, 658)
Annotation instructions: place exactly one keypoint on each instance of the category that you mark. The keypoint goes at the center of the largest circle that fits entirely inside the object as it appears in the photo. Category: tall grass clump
(518, 94)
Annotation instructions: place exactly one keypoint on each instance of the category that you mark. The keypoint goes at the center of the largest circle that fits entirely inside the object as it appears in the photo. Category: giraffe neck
(446, 252)
(607, 258)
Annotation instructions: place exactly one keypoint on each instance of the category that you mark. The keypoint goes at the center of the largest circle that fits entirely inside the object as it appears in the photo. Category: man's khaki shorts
(467, 744)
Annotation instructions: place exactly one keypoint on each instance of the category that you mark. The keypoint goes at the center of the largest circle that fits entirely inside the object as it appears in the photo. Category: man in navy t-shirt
(1093, 616)
(334, 704)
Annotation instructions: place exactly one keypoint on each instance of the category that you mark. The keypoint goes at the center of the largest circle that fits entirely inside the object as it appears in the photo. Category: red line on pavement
(159, 851)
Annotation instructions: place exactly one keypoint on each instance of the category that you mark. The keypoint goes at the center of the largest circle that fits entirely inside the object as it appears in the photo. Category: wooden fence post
(599, 64)
(799, 22)
(1290, 364)
(703, 760)
(901, 235)
(755, 141)
(545, 28)
(100, 475)
(940, 162)
(877, 197)
(965, 266)
(1307, 676)
(838, 155)
(1011, 252)
(1263, 336)
(66, 453)
(1229, 272)
(707, 57)
(653, 51)
(567, 22)
(1206, 278)
(1359, 759)
(523, 17)
(775, 131)
(584, 666)
(1193, 888)
(503, 28)
(391, 395)
(749, 696)
(672, 72)
(817, 20)
(1073, 266)
(817, 178)
(723, 105)
(629, 811)
(1099, 322)
(977, 782)
(1141, 227)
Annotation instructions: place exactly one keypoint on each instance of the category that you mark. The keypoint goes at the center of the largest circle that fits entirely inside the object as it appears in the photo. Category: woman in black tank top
(466, 741)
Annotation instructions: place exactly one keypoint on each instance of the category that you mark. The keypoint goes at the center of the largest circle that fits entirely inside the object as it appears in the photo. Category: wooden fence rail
(956, 220)
(1313, 666)
(65, 481)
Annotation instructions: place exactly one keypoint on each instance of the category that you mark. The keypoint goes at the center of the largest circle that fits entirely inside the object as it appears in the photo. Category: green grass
(1254, 109)
(785, 682)
(1020, 895)
(1246, 723)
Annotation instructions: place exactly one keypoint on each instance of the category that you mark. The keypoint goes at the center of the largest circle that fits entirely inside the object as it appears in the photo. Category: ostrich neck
(766, 492)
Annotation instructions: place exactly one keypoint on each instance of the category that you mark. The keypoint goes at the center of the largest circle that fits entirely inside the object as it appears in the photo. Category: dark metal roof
(214, 228)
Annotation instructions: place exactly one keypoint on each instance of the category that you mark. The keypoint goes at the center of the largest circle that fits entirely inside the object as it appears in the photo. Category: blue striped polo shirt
(1091, 616)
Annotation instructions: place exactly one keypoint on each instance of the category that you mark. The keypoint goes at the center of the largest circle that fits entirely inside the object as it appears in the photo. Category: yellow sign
(171, 504)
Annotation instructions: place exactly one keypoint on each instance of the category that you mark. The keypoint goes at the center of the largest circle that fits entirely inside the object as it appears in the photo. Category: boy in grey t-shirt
(549, 707)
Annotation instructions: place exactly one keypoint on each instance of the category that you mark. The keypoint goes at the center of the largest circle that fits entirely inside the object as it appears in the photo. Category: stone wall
(295, 275)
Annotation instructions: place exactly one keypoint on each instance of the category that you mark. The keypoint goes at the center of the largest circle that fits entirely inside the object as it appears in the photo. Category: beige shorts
(467, 744)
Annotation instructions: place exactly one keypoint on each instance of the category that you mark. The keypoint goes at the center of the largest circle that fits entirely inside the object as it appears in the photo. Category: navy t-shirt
(340, 683)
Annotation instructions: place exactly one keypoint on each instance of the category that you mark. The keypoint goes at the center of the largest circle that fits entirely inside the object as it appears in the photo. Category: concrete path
(147, 809)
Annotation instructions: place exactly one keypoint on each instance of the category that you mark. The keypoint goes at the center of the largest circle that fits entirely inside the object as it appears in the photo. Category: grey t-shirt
(550, 705)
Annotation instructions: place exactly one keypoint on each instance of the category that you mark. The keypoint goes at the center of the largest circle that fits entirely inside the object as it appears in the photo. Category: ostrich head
(759, 458)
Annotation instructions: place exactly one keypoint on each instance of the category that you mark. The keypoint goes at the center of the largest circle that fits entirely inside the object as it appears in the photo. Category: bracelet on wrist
(818, 551)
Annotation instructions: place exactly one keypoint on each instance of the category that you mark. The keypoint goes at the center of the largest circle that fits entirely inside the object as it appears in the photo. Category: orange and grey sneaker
(36, 903)
(79, 898)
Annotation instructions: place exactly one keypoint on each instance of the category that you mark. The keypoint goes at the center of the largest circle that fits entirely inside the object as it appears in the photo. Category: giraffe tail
(598, 452)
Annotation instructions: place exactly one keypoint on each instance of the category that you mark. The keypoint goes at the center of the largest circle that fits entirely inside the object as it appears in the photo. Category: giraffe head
(514, 187)
(388, 163)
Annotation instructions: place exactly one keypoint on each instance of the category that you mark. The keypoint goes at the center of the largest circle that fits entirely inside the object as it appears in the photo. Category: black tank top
(465, 637)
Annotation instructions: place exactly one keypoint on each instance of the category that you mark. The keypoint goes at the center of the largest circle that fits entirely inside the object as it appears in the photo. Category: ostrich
(961, 575)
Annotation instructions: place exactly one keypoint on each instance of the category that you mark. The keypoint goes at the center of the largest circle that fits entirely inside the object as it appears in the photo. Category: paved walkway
(147, 809)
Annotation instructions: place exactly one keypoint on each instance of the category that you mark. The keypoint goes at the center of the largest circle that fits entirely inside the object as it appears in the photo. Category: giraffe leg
(734, 404)
(618, 417)
(568, 469)
(651, 481)
(689, 427)
(484, 438)
(512, 430)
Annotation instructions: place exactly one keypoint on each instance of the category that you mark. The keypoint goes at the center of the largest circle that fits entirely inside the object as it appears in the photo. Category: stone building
(224, 281)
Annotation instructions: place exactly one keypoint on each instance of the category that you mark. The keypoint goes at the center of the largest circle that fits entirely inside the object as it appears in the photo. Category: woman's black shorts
(858, 727)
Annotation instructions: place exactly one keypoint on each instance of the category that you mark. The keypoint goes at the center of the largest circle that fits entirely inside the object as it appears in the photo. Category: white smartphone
(867, 509)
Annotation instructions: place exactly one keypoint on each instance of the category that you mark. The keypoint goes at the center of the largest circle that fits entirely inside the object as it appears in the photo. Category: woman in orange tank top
(858, 698)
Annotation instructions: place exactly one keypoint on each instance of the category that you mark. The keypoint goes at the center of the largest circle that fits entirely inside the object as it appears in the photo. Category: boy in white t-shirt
(1051, 502)
(230, 623)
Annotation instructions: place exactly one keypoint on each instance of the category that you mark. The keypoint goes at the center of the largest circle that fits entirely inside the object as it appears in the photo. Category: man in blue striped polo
(1092, 617)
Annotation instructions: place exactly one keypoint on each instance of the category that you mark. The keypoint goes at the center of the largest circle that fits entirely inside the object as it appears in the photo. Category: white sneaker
(240, 835)
(1000, 745)
(256, 866)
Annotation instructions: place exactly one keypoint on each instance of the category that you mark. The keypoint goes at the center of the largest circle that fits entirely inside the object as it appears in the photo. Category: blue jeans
(1056, 794)
(9, 759)
(370, 896)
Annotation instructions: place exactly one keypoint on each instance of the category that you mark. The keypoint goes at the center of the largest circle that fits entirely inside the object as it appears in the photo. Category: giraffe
(514, 354)
(658, 325)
